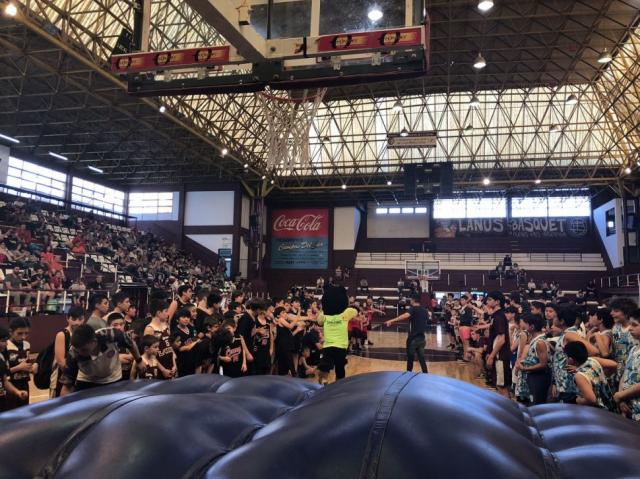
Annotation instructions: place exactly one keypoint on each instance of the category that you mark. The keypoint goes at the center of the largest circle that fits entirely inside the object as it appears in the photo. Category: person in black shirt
(188, 340)
(246, 325)
(263, 345)
(417, 317)
(5, 385)
(206, 351)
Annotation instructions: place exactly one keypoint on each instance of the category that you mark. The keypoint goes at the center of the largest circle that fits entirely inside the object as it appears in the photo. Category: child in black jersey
(263, 344)
(233, 352)
(20, 367)
(6, 387)
(188, 340)
(150, 367)
(206, 352)
(306, 370)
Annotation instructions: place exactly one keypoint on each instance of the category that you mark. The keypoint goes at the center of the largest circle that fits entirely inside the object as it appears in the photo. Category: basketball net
(289, 116)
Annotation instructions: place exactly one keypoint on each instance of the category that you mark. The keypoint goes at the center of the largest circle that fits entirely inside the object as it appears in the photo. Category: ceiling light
(344, 186)
(571, 100)
(486, 182)
(554, 128)
(60, 157)
(272, 181)
(479, 63)
(162, 109)
(538, 181)
(246, 165)
(605, 57)
(375, 14)
(389, 183)
(627, 170)
(264, 177)
(97, 170)
(8, 138)
(474, 102)
(485, 5)
(11, 10)
(404, 133)
(224, 151)
(397, 106)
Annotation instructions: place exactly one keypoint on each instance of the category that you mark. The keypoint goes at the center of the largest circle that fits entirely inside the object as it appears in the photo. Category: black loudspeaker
(410, 180)
(446, 179)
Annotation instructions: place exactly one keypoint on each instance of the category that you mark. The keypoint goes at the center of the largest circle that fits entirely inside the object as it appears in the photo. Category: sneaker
(369, 343)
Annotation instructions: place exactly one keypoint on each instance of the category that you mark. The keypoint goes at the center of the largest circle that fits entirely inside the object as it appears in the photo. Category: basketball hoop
(289, 116)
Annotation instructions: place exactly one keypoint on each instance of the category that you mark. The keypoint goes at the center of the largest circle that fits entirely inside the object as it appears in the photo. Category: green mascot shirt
(336, 332)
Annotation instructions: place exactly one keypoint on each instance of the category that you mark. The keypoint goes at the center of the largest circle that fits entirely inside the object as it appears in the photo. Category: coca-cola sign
(300, 239)
(302, 223)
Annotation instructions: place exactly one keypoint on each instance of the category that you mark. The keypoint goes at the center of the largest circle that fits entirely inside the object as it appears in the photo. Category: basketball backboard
(304, 18)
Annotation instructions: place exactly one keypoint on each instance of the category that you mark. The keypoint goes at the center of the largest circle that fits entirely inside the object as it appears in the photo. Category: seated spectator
(400, 286)
(507, 262)
(24, 235)
(48, 258)
(97, 284)
(78, 244)
(14, 281)
(591, 291)
(338, 275)
(531, 286)
(364, 285)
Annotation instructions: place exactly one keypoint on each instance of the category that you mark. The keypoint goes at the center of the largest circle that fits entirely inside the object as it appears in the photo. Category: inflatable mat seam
(68, 446)
(551, 463)
(386, 404)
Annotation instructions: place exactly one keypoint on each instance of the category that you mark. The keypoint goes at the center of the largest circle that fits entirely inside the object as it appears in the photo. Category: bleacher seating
(485, 261)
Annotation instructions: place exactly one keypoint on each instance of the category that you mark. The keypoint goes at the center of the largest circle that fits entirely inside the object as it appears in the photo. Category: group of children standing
(562, 352)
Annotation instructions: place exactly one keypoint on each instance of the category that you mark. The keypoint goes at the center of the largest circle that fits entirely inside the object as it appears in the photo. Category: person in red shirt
(78, 245)
(24, 235)
(355, 331)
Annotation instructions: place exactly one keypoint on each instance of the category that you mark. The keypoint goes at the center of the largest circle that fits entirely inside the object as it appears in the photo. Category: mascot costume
(335, 318)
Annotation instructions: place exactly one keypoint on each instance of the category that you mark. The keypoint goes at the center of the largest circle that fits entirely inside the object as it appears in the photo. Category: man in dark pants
(417, 316)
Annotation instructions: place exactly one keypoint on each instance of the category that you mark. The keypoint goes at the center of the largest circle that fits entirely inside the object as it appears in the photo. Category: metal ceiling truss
(538, 53)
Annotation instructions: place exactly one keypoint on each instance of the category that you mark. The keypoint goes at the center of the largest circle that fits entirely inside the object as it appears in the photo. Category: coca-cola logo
(302, 223)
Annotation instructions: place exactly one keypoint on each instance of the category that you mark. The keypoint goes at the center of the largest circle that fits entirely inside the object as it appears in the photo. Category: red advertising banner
(300, 223)
(401, 37)
(149, 61)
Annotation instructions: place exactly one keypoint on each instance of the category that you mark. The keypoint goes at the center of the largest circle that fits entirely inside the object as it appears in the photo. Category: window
(90, 194)
(569, 206)
(456, 208)
(610, 218)
(421, 210)
(470, 208)
(486, 208)
(528, 207)
(150, 203)
(407, 211)
(394, 211)
(382, 211)
(29, 176)
(552, 206)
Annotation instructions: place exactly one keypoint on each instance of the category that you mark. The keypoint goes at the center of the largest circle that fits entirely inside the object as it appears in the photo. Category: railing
(620, 281)
(486, 257)
(42, 298)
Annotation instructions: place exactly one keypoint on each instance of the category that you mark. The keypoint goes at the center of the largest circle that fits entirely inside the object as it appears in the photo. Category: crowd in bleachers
(33, 240)
(538, 352)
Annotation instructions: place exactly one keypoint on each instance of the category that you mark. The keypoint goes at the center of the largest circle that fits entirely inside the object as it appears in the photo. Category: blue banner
(299, 253)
